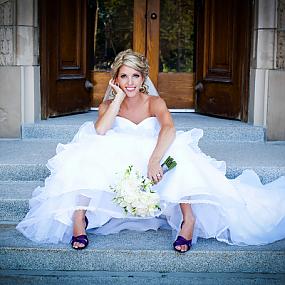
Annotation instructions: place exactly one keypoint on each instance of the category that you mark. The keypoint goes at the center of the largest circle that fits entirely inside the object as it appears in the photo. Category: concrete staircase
(129, 257)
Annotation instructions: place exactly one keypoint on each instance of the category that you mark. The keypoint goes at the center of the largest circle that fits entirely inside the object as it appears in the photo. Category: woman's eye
(123, 75)
(136, 76)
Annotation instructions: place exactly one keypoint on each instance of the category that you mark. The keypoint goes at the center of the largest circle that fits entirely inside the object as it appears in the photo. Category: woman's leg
(188, 224)
(79, 226)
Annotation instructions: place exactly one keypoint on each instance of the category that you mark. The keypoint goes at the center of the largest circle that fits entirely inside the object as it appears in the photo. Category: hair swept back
(131, 59)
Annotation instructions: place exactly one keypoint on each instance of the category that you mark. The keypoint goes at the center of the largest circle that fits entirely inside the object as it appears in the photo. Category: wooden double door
(198, 58)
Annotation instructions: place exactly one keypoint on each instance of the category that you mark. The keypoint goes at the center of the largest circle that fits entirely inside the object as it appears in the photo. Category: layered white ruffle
(240, 211)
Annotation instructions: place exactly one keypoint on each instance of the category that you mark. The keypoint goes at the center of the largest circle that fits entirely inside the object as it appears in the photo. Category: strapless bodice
(148, 126)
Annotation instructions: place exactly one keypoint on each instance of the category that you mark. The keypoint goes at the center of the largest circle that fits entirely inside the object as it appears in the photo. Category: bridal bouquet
(134, 192)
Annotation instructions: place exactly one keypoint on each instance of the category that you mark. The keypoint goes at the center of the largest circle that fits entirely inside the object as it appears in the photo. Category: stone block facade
(19, 66)
(267, 74)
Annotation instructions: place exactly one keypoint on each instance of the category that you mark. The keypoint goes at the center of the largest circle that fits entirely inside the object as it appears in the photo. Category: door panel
(152, 38)
(114, 33)
(222, 57)
(64, 59)
(176, 53)
(100, 80)
(139, 35)
(177, 89)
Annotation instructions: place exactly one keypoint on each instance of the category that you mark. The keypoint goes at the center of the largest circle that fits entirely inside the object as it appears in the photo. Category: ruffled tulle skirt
(240, 211)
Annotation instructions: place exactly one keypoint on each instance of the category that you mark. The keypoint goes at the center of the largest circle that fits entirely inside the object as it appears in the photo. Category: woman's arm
(165, 138)
(108, 111)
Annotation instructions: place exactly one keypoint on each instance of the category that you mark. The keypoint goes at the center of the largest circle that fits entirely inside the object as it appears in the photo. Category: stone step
(14, 199)
(43, 277)
(131, 251)
(132, 257)
(24, 160)
(215, 129)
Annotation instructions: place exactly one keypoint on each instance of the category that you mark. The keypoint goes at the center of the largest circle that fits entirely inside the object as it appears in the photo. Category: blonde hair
(131, 59)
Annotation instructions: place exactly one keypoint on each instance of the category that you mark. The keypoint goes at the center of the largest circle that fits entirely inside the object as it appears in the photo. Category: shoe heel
(86, 222)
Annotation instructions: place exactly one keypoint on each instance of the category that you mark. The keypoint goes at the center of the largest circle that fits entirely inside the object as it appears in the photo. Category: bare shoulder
(157, 104)
(159, 109)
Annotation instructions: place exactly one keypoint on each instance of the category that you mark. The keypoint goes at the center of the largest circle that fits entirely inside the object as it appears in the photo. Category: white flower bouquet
(134, 192)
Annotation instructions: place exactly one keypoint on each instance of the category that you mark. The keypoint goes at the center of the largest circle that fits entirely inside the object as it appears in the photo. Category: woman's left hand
(155, 172)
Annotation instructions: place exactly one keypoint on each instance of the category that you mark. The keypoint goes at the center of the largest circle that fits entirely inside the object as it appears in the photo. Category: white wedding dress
(240, 211)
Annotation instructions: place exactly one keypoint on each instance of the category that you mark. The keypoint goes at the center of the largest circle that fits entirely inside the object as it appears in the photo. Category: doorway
(198, 52)
(161, 30)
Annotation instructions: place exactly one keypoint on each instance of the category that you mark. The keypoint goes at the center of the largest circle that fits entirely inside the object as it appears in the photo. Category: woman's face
(129, 80)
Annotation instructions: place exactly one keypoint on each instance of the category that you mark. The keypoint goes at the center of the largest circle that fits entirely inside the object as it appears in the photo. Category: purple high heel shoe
(81, 238)
(182, 241)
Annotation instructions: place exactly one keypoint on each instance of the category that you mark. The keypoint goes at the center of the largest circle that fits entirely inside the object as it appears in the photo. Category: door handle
(199, 87)
(88, 85)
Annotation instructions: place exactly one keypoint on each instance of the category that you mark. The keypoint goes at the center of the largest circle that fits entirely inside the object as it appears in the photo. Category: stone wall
(19, 67)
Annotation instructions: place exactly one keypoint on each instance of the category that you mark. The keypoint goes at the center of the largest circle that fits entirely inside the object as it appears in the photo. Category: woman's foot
(79, 230)
(82, 240)
(183, 243)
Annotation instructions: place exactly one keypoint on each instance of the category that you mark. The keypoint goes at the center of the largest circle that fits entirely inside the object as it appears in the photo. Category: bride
(134, 128)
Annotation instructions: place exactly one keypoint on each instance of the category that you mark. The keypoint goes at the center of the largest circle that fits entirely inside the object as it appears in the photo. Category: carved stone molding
(7, 32)
(7, 12)
(280, 62)
(280, 55)
(7, 45)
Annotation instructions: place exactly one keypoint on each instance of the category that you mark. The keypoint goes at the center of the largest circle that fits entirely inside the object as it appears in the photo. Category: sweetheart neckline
(152, 117)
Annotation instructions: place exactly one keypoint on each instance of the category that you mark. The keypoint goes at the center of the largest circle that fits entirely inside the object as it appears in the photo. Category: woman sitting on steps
(136, 128)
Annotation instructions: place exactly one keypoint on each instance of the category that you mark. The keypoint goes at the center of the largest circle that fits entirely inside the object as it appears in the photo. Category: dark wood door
(64, 56)
(222, 62)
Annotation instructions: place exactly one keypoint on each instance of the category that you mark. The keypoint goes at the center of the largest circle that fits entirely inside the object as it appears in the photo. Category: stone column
(266, 73)
(19, 68)
(275, 122)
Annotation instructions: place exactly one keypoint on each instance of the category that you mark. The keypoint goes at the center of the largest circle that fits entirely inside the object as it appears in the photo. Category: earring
(143, 89)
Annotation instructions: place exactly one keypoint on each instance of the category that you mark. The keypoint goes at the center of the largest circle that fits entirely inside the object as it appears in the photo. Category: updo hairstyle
(131, 59)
